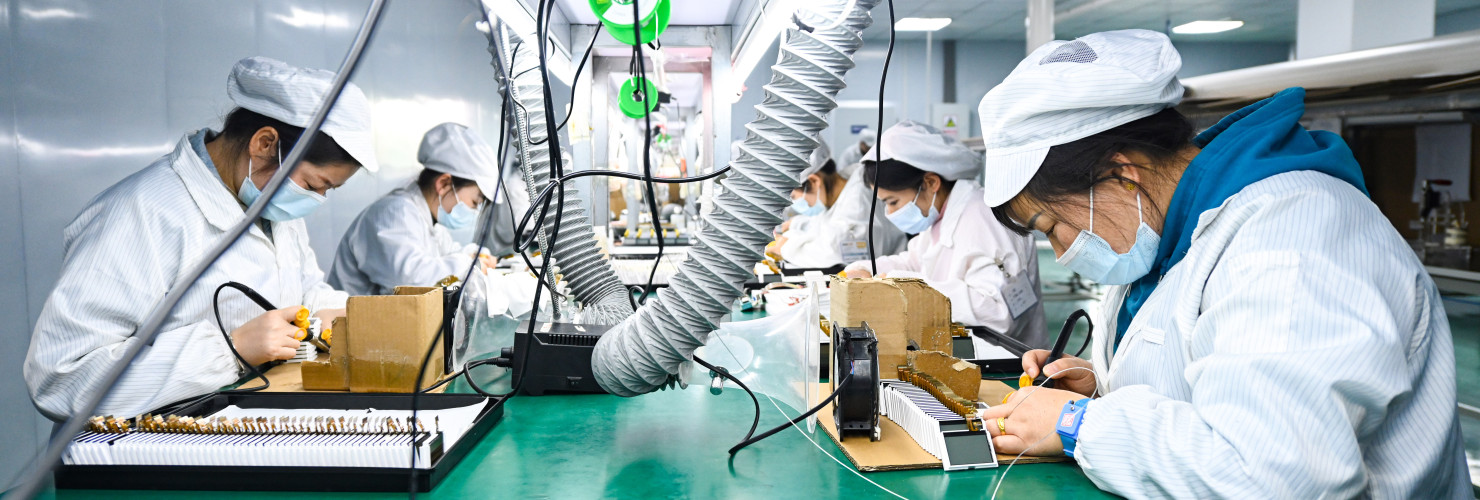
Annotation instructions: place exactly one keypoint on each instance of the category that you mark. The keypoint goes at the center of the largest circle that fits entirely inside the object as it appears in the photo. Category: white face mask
(460, 216)
(291, 201)
(1091, 256)
(911, 219)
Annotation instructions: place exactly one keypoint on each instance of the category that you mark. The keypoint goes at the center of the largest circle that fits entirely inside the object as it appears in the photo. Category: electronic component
(856, 356)
(280, 441)
(959, 442)
(556, 359)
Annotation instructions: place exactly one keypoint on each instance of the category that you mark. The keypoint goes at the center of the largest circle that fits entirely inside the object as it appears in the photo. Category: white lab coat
(816, 241)
(958, 256)
(1299, 350)
(394, 242)
(124, 252)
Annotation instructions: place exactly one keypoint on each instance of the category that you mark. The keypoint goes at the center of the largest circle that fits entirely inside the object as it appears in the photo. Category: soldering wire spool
(635, 102)
(640, 354)
(856, 357)
(617, 16)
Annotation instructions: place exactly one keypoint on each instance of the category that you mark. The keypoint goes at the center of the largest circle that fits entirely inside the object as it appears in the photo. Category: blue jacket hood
(1262, 140)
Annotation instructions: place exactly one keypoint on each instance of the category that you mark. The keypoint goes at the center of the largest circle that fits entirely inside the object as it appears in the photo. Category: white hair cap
(819, 158)
(868, 136)
(925, 148)
(292, 95)
(451, 148)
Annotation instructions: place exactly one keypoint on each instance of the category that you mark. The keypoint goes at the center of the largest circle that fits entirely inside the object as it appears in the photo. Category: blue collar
(1257, 142)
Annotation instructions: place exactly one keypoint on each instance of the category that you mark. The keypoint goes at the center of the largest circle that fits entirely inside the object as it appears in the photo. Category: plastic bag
(776, 355)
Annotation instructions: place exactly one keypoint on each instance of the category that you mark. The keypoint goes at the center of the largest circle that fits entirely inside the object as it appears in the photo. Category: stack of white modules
(273, 437)
(929, 422)
(305, 351)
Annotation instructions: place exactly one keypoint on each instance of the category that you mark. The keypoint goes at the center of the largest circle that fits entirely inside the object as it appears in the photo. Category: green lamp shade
(635, 103)
(617, 16)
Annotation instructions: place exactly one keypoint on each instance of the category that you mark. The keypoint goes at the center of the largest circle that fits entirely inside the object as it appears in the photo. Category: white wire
(1032, 390)
(824, 452)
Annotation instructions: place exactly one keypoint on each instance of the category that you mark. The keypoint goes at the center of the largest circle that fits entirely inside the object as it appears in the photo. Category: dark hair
(896, 175)
(241, 124)
(428, 178)
(1073, 168)
(828, 171)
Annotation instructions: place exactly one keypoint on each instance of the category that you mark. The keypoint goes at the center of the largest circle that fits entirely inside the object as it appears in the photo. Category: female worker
(851, 159)
(1271, 334)
(831, 228)
(402, 238)
(131, 243)
(989, 273)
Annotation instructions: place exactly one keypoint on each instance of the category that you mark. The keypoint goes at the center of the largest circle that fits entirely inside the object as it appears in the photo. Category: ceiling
(1264, 20)
(684, 13)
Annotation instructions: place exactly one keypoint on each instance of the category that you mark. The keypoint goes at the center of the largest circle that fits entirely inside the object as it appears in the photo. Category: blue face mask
(460, 216)
(911, 219)
(290, 202)
(1092, 257)
(801, 207)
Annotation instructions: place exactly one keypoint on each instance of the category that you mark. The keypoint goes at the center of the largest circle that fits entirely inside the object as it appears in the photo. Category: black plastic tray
(246, 478)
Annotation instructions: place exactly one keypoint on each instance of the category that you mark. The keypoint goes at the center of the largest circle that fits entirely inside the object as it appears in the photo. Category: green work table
(672, 444)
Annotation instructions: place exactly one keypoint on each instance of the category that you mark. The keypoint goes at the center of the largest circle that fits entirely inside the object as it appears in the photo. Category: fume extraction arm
(574, 250)
(645, 350)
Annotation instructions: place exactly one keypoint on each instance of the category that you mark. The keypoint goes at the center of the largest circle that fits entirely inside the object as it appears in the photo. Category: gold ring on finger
(1002, 425)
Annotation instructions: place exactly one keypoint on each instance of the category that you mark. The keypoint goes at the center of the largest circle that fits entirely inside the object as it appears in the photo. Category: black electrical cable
(457, 295)
(647, 149)
(611, 173)
(573, 81)
(721, 371)
(216, 308)
(873, 208)
(30, 481)
(841, 384)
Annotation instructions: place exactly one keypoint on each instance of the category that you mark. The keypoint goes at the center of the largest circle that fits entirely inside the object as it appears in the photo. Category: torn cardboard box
(963, 378)
(901, 311)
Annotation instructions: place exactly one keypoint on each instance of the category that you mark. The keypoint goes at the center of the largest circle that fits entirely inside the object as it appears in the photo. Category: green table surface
(672, 444)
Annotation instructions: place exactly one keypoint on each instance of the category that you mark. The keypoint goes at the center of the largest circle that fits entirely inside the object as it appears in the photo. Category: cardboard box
(391, 335)
(330, 372)
(962, 377)
(901, 311)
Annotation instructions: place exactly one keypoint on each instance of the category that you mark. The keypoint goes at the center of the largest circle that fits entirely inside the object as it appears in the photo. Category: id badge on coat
(853, 250)
(1018, 293)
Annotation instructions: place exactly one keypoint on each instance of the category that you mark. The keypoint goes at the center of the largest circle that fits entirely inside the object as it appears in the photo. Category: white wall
(93, 91)
(980, 65)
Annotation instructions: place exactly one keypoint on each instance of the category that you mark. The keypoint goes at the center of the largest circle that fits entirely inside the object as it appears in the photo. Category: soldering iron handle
(1060, 344)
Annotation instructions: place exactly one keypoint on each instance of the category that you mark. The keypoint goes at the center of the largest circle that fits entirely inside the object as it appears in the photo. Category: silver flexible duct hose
(576, 252)
(641, 353)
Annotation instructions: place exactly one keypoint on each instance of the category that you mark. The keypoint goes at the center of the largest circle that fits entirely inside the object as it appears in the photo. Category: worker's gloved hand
(1080, 381)
(488, 261)
(268, 337)
(1029, 417)
(858, 272)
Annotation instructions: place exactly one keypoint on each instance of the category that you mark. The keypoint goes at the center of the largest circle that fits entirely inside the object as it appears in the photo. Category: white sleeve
(976, 295)
(391, 255)
(118, 264)
(813, 245)
(903, 261)
(1302, 356)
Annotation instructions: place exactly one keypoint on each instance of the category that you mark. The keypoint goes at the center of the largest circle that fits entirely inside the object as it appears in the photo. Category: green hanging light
(617, 16)
(637, 103)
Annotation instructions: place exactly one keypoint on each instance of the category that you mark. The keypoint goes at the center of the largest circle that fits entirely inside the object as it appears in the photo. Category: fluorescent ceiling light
(921, 23)
(1205, 27)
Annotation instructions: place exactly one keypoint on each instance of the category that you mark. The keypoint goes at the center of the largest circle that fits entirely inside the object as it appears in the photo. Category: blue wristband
(1068, 425)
